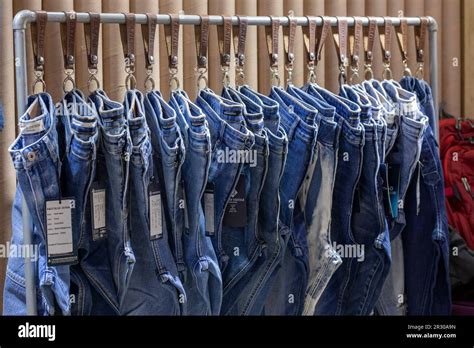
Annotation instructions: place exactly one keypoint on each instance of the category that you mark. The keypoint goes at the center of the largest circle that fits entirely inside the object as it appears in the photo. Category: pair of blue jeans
(115, 151)
(203, 280)
(404, 147)
(35, 156)
(426, 236)
(369, 226)
(290, 279)
(256, 284)
(317, 196)
(348, 171)
(228, 135)
(92, 284)
(155, 287)
(244, 244)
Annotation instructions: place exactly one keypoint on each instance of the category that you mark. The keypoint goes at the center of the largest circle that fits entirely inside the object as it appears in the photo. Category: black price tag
(236, 209)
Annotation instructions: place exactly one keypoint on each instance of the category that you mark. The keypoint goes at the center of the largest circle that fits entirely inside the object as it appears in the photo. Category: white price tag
(155, 216)
(59, 230)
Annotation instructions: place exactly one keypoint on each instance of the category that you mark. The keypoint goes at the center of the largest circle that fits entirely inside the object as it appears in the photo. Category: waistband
(358, 97)
(278, 142)
(237, 139)
(27, 156)
(253, 113)
(328, 132)
(269, 107)
(309, 95)
(191, 113)
(228, 110)
(107, 109)
(344, 107)
(413, 128)
(292, 119)
(353, 134)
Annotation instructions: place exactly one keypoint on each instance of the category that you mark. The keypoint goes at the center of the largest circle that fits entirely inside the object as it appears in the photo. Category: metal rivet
(312, 56)
(174, 60)
(152, 59)
(31, 156)
(70, 59)
(132, 57)
(291, 56)
(41, 60)
(94, 58)
(275, 56)
(226, 58)
(202, 60)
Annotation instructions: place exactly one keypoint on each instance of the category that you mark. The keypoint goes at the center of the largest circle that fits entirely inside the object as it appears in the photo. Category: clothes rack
(24, 17)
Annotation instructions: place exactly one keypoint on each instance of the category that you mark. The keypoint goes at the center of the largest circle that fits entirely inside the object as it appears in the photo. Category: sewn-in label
(236, 209)
(98, 209)
(32, 127)
(209, 206)
(59, 231)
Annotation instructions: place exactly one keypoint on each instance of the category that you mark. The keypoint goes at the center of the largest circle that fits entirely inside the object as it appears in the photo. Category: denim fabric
(115, 150)
(35, 156)
(383, 240)
(317, 196)
(423, 93)
(228, 133)
(392, 299)
(406, 150)
(289, 285)
(79, 140)
(85, 299)
(259, 281)
(155, 288)
(404, 154)
(426, 236)
(348, 171)
(245, 239)
(203, 279)
(369, 227)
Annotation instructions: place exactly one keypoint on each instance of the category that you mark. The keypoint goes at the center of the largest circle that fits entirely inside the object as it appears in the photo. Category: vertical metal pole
(21, 95)
(434, 69)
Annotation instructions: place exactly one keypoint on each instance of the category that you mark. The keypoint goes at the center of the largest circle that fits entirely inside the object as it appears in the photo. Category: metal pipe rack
(24, 17)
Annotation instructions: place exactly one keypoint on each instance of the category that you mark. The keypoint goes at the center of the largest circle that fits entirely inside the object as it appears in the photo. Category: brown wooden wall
(111, 69)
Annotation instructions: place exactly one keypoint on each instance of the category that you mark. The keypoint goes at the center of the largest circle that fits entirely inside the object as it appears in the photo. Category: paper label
(209, 207)
(155, 215)
(236, 209)
(59, 231)
(98, 209)
(32, 127)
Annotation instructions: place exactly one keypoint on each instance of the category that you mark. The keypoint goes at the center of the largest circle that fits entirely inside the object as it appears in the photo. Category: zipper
(467, 187)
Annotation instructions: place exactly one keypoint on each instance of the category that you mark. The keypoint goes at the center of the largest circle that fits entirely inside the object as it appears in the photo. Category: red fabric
(457, 156)
(463, 308)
